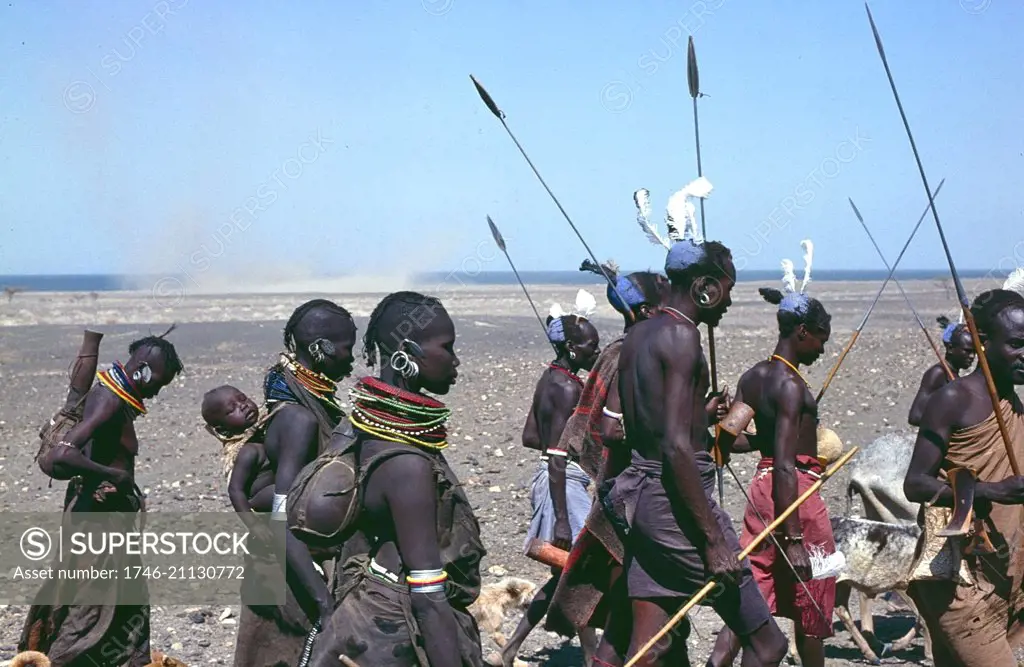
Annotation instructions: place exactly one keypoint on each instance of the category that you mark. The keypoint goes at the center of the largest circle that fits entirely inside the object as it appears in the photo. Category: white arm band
(277, 511)
(617, 416)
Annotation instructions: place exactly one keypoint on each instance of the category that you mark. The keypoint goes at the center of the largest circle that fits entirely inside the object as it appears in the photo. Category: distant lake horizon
(118, 282)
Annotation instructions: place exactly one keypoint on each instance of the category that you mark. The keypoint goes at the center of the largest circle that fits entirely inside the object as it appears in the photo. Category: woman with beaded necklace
(299, 391)
(404, 604)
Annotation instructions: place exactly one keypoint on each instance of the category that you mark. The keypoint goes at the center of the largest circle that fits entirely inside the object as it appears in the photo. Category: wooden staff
(548, 554)
(960, 292)
(856, 332)
(710, 586)
(931, 341)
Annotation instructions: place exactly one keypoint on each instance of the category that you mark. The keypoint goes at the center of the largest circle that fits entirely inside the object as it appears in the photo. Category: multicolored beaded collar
(395, 415)
(317, 384)
(116, 380)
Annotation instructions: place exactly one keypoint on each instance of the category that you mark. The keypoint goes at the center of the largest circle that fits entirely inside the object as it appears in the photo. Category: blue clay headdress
(685, 247)
(794, 301)
(584, 307)
(947, 333)
(634, 297)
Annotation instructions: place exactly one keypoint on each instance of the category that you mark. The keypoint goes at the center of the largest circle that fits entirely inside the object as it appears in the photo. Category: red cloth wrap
(784, 595)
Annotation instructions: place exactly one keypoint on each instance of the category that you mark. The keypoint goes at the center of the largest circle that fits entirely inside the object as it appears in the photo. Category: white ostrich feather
(585, 305)
(556, 311)
(681, 211)
(788, 276)
(1015, 281)
(808, 247)
(642, 199)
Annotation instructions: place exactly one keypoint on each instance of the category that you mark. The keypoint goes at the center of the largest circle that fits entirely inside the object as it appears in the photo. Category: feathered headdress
(1015, 281)
(642, 199)
(681, 210)
(583, 308)
(796, 301)
(684, 244)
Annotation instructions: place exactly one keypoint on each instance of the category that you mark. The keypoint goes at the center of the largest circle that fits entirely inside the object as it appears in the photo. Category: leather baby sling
(335, 474)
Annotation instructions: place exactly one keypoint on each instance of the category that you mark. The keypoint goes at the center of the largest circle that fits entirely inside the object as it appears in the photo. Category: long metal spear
(500, 115)
(500, 241)
(860, 327)
(693, 83)
(881, 255)
(960, 292)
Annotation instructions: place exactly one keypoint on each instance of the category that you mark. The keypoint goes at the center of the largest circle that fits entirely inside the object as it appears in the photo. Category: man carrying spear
(786, 415)
(676, 535)
(970, 622)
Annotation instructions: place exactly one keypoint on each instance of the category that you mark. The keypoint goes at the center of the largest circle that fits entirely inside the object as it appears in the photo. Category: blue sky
(134, 134)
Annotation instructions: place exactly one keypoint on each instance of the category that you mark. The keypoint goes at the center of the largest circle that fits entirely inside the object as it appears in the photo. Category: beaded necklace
(317, 384)
(677, 314)
(562, 369)
(795, 370)
(116, 380)
(395, 415)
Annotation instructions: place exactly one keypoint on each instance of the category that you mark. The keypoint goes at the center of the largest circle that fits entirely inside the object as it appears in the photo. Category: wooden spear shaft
(711, 585)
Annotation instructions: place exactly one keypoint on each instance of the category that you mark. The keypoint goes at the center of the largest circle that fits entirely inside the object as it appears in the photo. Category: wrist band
(617, 416)
(557, 452)
(277, 509)
(426, 581)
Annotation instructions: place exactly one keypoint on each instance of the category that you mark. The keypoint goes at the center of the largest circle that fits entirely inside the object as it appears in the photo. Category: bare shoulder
(951, 403)
(293, 416)
(406, 463)
(562, 386)
(669, 337)
(99, 399)
(753, 374)
(934, 375)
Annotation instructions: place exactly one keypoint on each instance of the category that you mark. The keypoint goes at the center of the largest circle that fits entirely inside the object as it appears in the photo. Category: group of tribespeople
(626, 482)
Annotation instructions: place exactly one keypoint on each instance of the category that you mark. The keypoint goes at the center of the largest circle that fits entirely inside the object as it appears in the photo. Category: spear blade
(488, 100)
(860, 327)
(965, 305)
(899, 285)
(500, 241)
(498, 238)
(692, 75)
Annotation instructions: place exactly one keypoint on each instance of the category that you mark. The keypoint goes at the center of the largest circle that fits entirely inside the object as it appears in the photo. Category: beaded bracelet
(426, 581)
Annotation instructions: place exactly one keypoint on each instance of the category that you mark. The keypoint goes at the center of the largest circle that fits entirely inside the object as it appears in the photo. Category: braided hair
(164, 346)
(320, 305)
(814, 317)
(989, 305)
(399, 315)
